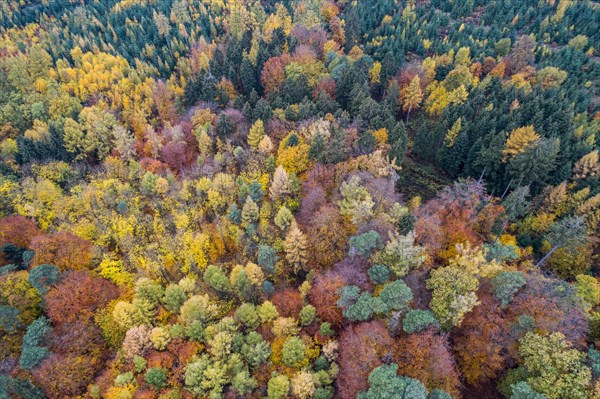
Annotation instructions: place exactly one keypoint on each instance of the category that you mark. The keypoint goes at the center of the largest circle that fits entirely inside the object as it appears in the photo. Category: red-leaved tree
(63, 249)
(17, 230)
(77, 297)
(288, 302)
(426, 356)
(362, 348)
(65, 376)
(324, 296)
(483, 344)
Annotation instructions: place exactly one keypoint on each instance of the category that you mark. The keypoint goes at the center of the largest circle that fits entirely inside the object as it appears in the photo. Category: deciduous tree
(77, 297)
(361, 347)
(426, 356)
(453, 294)
(295, 248)
(63, 249)
(411, 95)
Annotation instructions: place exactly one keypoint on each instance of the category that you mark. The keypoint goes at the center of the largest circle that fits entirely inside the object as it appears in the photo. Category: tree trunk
(506, 189)
(482, 174)
(554, 248)
(501, 231)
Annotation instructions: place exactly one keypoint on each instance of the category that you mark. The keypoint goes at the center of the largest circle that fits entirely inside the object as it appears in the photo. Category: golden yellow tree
(256, 133)
(295, 247)
(458, 95)
(452, 133)
(518, 140)
(438, 99)
(411, 95)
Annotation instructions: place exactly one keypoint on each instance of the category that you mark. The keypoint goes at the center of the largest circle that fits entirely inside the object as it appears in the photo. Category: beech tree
(551, 367)
(18, 230)
(61, 375)
(453, 294)
(77, 297)
(483, 342)
(63, 249)
(370, 341)
(426, 356)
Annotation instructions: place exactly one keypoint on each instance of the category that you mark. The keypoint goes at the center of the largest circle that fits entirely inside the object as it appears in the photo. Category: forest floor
(420, 179)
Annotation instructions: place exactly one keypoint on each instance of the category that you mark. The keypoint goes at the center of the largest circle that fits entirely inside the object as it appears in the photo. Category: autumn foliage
(77, 297)
(63, 249)
(299, 199)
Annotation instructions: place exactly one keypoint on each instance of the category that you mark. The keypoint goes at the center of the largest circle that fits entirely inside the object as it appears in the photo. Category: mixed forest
(308, 199)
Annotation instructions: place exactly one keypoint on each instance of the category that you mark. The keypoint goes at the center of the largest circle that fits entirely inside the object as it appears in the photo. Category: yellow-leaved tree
(518, 140)
(256, 133)
(295, 247)
(452, 133)
(411, 95)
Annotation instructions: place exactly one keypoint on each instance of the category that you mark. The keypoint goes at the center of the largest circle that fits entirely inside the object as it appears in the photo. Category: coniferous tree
(411, 96)
(256, 133)
(281, 185)
(295, 248)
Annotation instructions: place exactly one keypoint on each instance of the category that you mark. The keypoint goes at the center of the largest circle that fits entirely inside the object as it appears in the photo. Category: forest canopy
(311, 199)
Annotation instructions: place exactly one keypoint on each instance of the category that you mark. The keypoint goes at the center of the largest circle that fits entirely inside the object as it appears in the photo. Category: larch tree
(458, 95)
(453, 133)
(250, 211)
(518, 140)
(256, 133)
(411, 96)
(295, 247)
(281, 184)
(124, 141)
(587, 166)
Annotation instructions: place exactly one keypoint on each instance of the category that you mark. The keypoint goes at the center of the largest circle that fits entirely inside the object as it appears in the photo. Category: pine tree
(295, 247)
